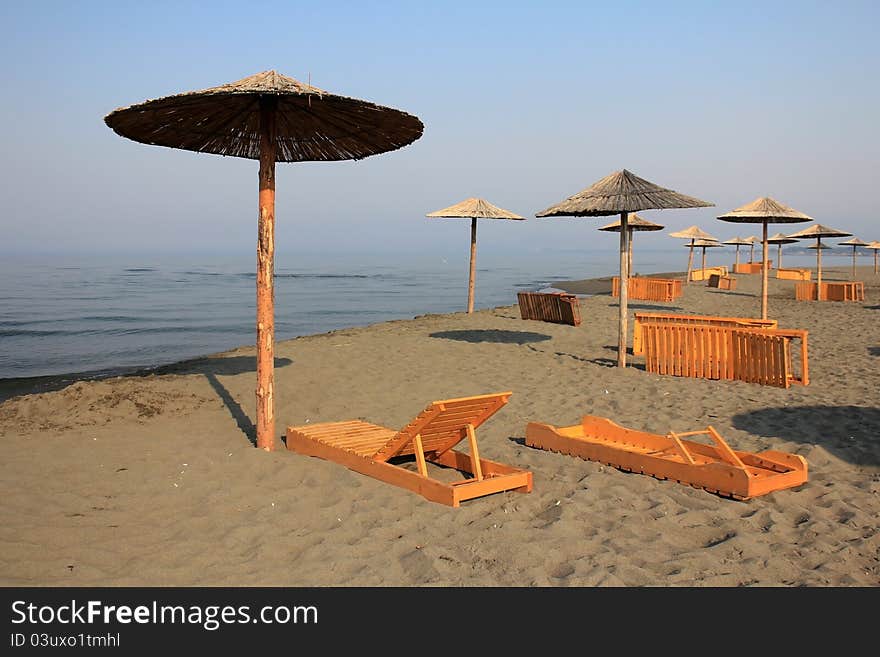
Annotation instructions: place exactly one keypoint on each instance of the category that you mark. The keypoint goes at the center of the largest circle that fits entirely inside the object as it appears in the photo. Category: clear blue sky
(524, 104)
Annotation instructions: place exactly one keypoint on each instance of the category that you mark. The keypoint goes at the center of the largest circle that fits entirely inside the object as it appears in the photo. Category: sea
(100, 315)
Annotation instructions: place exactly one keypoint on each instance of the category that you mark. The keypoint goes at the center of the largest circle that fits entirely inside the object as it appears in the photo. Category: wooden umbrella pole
(704, 261)
(630, 251)
(818, 269)
(778, 256)
(624, 288)
(764, 268)
(736, 260)
(265, 279)
(473, 273)
(690, 261)
(875, 261)
(854, 262)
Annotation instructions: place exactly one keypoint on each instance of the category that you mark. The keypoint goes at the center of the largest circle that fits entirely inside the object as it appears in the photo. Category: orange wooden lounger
(368, 449)
(716, 468)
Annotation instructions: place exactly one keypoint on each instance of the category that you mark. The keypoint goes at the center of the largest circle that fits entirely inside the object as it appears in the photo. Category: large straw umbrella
(779, 239)
(764, 211)
(817, 232)
(621, 192)
(474, 208)
(635, 223)
(855, 243)
(704, 244)
(875, 245)
(271, 118)
(693, 234)
(738, 242)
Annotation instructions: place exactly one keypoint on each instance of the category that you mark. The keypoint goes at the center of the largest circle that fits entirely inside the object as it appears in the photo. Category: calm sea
(93, 315)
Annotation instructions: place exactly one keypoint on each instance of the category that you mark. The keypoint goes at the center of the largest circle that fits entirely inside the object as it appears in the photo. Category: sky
(524, 104)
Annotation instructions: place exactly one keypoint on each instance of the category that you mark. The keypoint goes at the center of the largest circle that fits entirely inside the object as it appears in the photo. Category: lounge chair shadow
(612, 362)
(731, 293)
(492, 335)
(849, 432)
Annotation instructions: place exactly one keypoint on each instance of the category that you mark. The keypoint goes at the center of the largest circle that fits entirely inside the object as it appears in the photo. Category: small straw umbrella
(271, 118)
(855, 243)
(779, 239)
(635, 223)
(764, 211)
(817, 232)
(621, 192)
(738, 242)
(875, 245)
(705, 244)
(693, 234)
(473, 209)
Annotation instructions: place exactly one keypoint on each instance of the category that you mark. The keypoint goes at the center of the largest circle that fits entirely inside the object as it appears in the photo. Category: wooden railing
(754, 355)
(832, 291)
(556, 307)
(794, 274)
(645, 288)
(660, 318)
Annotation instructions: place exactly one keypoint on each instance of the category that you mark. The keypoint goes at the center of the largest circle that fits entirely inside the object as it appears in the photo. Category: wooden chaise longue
(430, 438)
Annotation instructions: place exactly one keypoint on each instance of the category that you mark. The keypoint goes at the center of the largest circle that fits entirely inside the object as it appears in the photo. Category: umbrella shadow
(211, 368)
(874, 351)
(849, 432)
(734, 294)
(492, 335)
(647, 306)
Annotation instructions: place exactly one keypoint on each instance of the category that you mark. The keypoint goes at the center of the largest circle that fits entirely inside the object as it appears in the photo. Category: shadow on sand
(849, 432)
(492, 335)
(648, 306)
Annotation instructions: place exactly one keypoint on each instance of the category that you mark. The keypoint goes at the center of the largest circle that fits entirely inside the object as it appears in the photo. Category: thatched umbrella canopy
(623, 193)
(855, 243)
(271, 118)
(693, 234)
(474, 208)
(635, 223)
(875, 245)
(704, 244)
(738, 242)
(817, 232)
(764, 210)
(779, 239)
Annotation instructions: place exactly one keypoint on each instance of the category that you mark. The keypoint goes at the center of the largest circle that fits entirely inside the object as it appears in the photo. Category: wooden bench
(832, 291)
(742, 322)
(704, 274)
(556, 307)
(721, 282)
(645, 288)
(794, 274)
(753, 355)
(750, 267)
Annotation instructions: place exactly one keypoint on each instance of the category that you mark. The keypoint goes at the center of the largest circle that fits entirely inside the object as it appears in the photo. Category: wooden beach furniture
(750, 267)
(430, 438)
(721, 282)
(707, 351)
(641, 318)
(704, 274)
(831, 291)
(794, 274)
(556, 307)
(716, 468)
(649, 289)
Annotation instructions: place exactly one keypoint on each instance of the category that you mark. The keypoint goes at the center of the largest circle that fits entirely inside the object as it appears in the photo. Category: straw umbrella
(271, 118)
(855, 243)
(634, 223)
(621, 192)
(693, 234)
(738, 242)
(704, 244)
(779, 239)
(875, 245)
(764, 211)
(474, 208)
(817, 232)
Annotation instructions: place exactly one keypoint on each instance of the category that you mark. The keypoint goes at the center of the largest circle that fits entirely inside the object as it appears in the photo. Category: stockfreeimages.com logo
(210, 617)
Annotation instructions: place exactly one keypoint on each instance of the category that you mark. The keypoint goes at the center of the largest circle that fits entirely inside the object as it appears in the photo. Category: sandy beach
(153, 479)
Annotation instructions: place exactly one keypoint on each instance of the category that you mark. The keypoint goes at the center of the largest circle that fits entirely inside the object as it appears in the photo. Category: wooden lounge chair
(716, 468)
(368, 449)
(556, 307)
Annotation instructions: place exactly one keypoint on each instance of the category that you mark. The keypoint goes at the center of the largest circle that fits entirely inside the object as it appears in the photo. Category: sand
(153, 479)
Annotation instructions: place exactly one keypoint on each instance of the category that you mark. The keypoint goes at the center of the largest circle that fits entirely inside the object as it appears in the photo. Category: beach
(153, 479)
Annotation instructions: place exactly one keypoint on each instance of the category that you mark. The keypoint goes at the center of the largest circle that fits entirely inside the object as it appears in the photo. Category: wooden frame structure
(831, 291)
(556, 307)
(368, 449)
(649, 289)
(753, 355)
(721, 282)
(794, 274)
(642, 318)
(716, 468)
